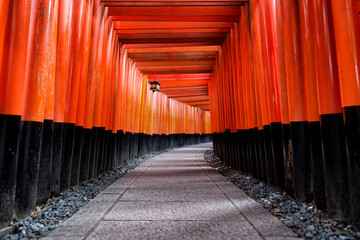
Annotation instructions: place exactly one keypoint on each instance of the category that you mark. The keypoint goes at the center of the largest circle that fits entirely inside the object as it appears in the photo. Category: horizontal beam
(175, 49)
(169, 35)
(171, 54)
(186, 88)
(178, 18)
(173, 30)
(214, 40)
(168, 0)
(182, 63)
(160, 68)
(202, 106)
(176, 71)
(169, 80)
(187, 95)
(159, 24)
(186, 92)
(167, 85)
(170, 3)
(192, 99)
(176, 11)
(175, 59)
(199, 103)
(153, 45)
(187, 70)
(180, 76)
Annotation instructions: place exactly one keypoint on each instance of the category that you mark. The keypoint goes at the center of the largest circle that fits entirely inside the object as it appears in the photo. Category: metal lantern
(155, 86)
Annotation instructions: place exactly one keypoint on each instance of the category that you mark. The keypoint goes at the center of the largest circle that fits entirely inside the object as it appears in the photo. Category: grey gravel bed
(302, 218)
(47, 217)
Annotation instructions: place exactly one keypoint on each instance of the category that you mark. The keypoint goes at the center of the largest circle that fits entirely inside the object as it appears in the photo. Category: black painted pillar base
(182, 139)
(240, 158)
(28, 168)
(45, 169)
(9, 139)
(317, 165)
(76, 160)
(93, 152)
(221, 146)
(66, 161)
(237, 147)
(263, 161)
(248, 156)
(269, 156)
(288, 160)
(226, 143)
(171, 144)
(118, 149)
(123, 149)
(352, 131)
(100, 151)
(85, 156)
(136, 145)
(57, 156)
(335, 167)
(131, 149)
(252, 151)
(128, 146)
(146, 144)
(257, 153)
(301, 160)
(157, 143)
(151, 143)
(114, 151)
(141, 145)
(107, 152)
(277, 141)
(233, 150)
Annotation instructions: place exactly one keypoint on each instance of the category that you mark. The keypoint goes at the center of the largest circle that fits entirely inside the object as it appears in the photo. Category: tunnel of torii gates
(281, 79)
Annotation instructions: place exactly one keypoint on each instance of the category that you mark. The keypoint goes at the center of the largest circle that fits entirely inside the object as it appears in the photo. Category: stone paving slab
(161, 195)
(79, 225)
(145, 210)
(173, 230)
(175, 195)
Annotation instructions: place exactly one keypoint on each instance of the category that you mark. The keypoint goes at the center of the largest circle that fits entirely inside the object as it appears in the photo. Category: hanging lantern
(155, 86)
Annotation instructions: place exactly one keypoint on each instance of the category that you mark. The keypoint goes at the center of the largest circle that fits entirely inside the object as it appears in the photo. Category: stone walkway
(175, 195)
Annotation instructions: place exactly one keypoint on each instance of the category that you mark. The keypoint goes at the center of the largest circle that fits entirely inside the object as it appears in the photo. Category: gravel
(49, 216)
(302, 218)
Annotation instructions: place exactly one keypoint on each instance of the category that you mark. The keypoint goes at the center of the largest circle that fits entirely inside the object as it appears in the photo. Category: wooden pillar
(14, 29)
(309, 74)
(330, 109)
(300, 140)
(38, 77)
(347, 35)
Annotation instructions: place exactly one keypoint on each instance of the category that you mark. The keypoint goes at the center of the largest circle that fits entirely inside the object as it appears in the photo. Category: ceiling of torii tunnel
(175, 42)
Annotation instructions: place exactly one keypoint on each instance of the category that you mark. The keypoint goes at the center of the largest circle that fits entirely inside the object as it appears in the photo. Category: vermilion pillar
(347, 36)
(38, 77)
(85, 93)
(286, 132)
(14, 29)
(260, 81)
(257, 74)
(44, 182)
(62, 88)
(330, 109)
(82, 141)
(296, 100)
(312, 110)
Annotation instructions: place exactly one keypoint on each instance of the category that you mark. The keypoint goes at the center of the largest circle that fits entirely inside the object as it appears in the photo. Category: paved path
(175, 195)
